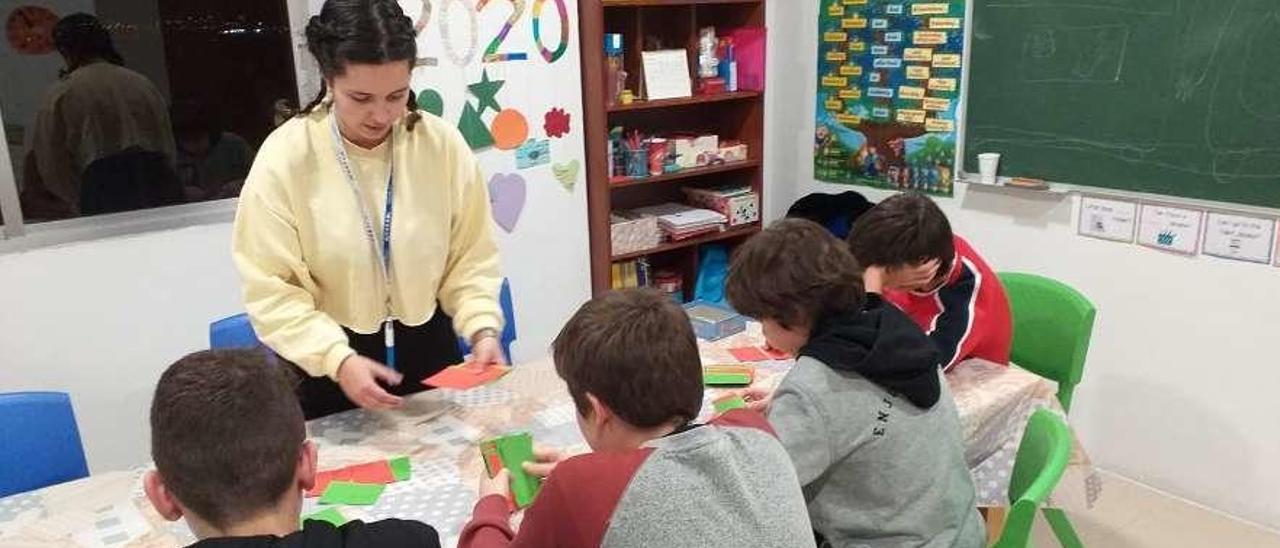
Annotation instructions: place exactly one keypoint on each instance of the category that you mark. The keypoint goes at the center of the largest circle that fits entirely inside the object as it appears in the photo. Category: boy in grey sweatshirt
(865, 413)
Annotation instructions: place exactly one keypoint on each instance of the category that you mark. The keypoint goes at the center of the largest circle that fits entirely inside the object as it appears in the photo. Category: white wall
(102, 319)
(1179, 390)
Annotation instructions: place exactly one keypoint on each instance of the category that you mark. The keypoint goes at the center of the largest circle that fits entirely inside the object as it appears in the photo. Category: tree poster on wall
(888, 92)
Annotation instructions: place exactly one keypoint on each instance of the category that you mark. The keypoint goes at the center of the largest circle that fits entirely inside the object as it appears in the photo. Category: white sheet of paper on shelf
(666, 74)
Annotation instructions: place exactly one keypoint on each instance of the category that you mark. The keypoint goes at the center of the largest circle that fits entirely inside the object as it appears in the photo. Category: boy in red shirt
(655, 478)
(934, 276)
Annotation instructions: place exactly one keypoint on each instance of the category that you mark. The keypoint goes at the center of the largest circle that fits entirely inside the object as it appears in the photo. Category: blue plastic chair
(41, 442)
(233, 332)
(508, 334)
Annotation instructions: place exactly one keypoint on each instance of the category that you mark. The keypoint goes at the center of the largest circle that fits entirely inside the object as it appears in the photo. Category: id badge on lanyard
(382, 253)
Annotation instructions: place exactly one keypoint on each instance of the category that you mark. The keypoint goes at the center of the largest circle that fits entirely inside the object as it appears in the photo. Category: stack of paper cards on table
(511, 452)
(680, 221)
(464, 376)
(728, 375)
(355, 485)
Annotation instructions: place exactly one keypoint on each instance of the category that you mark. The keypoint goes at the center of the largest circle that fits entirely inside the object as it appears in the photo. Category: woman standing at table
(363, 230)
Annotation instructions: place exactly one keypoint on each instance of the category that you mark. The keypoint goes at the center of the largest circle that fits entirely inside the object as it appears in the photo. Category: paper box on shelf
(733, 151)
(739, 204)
(682, 145)
(713, 322)
(630, 232)
(706, 147)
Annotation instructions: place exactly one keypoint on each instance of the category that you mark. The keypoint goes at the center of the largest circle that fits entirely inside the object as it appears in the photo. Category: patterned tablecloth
(439, 431)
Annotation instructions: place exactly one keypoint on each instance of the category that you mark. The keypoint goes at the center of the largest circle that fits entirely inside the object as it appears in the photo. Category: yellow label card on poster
(849, 119)
(936, 125)
(929, 37)
(935, 103)
(835, 82)
(911, 116)
(834, 105)
(855, 2)
(854, 22)
(930, 9)
(942, 84)
(835, 37)
(944, 23)
(910, 92)
(850, 70)
(850, 94)
(946, 60)
(858, 46)
(836, 10)
(916, 72)
(917, 54)
(837, 56)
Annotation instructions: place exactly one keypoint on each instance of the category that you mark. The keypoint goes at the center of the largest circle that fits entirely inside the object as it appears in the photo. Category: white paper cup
(988, 163)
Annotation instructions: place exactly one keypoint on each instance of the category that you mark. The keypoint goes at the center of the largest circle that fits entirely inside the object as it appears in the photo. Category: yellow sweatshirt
(307, 267)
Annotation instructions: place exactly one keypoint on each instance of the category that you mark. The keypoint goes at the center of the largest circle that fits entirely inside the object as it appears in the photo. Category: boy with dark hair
(934, 276)
(655, 478)
(864, 413)
(231, 456)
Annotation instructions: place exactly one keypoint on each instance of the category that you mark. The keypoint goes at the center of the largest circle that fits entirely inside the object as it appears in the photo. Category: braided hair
(360, 31)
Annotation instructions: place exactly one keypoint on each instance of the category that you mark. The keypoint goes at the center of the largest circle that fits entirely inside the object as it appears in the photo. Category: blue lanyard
(383, 253)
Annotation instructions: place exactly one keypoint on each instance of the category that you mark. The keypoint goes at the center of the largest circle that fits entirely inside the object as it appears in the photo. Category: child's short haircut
(635, 351)
(794, 272)
(226, 433)
(906, 229)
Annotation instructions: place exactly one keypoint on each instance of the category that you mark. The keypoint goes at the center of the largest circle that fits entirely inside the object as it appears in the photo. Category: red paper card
(463, 377)
(372, 472)
(323, 479)
(748, 354)
(376, 472)
(775, 354)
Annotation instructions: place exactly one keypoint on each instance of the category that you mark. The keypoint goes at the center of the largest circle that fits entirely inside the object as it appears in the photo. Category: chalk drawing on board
(1075, 54)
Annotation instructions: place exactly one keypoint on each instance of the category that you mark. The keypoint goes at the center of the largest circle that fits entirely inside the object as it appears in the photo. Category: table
(439, 431)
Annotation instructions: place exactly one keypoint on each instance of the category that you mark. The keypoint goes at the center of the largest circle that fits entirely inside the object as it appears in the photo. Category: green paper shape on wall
(486, 91)
(474, 129)
(429, 100)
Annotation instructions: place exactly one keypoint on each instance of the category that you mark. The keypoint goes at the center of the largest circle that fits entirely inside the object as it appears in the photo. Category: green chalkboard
(1174, 97)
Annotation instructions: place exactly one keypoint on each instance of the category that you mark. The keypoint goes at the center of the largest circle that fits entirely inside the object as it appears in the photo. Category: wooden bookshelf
(735, 232)
(684, 101)
(737, 116)
(686, 174)
(637, 3)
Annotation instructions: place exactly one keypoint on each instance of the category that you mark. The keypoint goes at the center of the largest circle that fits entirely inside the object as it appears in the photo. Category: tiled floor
(1131, 515)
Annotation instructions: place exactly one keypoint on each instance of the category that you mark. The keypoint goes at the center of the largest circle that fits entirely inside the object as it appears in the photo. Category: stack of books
(681, 221)
(629, 274)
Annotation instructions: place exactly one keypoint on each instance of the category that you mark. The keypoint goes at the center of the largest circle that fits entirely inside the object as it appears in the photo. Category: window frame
(17, 235)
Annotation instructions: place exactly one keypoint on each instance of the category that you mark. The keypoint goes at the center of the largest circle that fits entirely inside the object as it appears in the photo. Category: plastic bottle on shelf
(615, 75)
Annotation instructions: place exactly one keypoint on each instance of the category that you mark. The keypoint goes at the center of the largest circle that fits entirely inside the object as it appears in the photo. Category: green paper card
(401, 469)
(511, 452)
(331, 515)
(354, 494)
(729, 404)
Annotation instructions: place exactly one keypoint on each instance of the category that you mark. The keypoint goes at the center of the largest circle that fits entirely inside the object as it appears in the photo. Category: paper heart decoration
(567, 173)
(506, 199)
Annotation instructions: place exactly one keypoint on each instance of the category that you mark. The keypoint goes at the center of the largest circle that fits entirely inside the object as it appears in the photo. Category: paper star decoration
(486, 91)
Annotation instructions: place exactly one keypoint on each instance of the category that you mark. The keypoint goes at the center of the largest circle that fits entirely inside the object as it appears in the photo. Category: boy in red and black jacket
(934, 276)
(654, 478)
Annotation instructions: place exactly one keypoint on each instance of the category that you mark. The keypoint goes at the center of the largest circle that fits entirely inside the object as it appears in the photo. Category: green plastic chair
(1042, 458)
(1052, 325)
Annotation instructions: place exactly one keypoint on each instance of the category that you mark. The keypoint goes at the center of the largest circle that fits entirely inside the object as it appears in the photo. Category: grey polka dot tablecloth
(439, 432)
